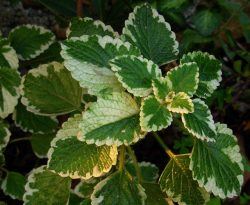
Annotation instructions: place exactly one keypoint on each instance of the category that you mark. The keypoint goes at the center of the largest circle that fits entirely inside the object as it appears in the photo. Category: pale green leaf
(217, 166)
(200, 123)
(154, 115)
(63, 93)
(118, 189)
(148, 30)
(113, 120)
(29, 41)
(45, 187)
(209, 72)
(161, 88)
(4, 135)
(135, 74)
(177, 182)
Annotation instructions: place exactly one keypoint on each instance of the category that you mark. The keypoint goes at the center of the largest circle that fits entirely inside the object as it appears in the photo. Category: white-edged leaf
(74, 199)
(87, 26)
(87, 58)
(161, 87)
(135, 73)
(112, 120)
(4, 135)
(217, 166)
(209, 72)
(13, 185)
(63, 93)
(148, 30)
(118, 189)
(9, 90)
(45, 187)
(30, 40)
(85, 188)
(154, 115)
(177, 182)
(200, 122)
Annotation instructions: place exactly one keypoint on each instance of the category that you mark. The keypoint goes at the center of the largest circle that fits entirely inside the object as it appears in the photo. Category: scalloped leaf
(200, 123)
(209, 72)
(154, 115)
(30, 41)
(154, 194)
(217, 166)
(4, 135)
(161, 87)
(135, 74)
(85, 188)
(148, 31)
(86, 161)
(63, 93)
(9, 90)
(177, 182)
(13, 185)
(87, 58)
(45, 187)
(30, 122)
(118, 189)
(87, 26)
(112, 120)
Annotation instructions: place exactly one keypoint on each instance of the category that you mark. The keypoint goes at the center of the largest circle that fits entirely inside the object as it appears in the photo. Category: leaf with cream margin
(63, 93)
(85, 188)
(87, 58)
(45, 187)
(161, 88)
(30, 41)
(148, 31)
(4, 135)
(112, 120)
(118, 189)
(177, 182)
(85, 161)
(217, 166)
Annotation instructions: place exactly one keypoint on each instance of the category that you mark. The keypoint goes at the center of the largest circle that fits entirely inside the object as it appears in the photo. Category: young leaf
(4, 135)
(63, 94)
(9, 90)
(161, 88)
(87, 26)
(113, 120)
(13, 185)
(118, 189)
(135, 74)
(88, 59)
(200, 123)
(85, 188)
(29, 40)
(30, 122)
(209, 72)
(177, 182)
(45, 187)
(85, 161)
(154, 115)
(217, 166)
(147, 30)
(154, 194)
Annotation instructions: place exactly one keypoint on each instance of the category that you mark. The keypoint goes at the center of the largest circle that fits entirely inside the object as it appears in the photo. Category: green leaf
(4, 135)
(85, 188)
(8, 56)
(147, 30)
(113, 120)
(86, 161)
(184, 78)
(209, 72)
(217, 166)
(245, 25)
(74, 199)
(13, 185)
(161, 88)
(135, 74)
(87, 26)
(154, 115)
(63, 94)
(45, 187)
(177, 182)
(30, 41)
(180, 103)
(30, 122)
(118, 189)
(88, 59)
(200, 123)
(9, 90)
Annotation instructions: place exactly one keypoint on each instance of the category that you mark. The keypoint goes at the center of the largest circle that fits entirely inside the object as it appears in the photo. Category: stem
(20, 139)
(121, 158)
(163, 145)
(79, 11)
(135, 162)
(4, 170)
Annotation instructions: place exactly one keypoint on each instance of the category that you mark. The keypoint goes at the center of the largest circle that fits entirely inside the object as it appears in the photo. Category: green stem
(4, 169)
(20, 139)
(135, 162)
(163, 145)
(121, 158)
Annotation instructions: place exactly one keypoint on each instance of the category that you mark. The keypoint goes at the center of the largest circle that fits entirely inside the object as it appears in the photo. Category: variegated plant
(134, 97)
